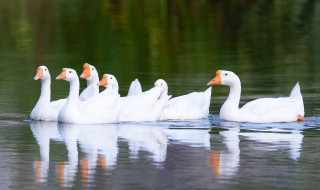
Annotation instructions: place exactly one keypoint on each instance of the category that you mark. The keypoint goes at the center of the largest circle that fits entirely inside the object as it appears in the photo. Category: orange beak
(86, 71)
(104, 81)
(62, 75)
(216, 80)
(39, 74)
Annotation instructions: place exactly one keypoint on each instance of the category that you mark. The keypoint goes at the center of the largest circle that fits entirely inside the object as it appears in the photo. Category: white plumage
(194, 105)
(95, 110)
(264, 110)
(45, 110)
(145, 106)
(89, 73)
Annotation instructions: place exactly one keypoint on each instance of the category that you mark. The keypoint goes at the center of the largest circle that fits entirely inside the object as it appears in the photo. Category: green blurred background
(270, 44)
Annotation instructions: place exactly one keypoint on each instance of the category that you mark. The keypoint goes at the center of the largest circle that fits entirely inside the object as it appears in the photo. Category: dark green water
(270, 45)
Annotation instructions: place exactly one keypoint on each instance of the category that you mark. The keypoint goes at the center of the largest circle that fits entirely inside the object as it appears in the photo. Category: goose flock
(94, 107)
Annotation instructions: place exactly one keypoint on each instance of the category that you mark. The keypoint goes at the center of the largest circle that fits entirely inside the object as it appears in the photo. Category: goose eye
(92, 68)
(111, 78)
(45, 69)
(69, 71)
(226, 74)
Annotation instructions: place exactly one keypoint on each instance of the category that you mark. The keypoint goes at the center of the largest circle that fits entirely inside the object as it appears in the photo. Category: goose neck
(114, 87)
(74, 92)
(92, 81)
(235, 92)
(45, 90)
(233, 99)
(164, 93)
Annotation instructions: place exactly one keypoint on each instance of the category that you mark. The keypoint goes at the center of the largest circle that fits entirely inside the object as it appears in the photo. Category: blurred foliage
(181, 41)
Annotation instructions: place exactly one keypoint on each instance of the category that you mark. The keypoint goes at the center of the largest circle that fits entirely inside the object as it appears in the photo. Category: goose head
(89, 72)
(163, 85)
(223, 77)
(109, 81)
(42, 73)
(67, 75)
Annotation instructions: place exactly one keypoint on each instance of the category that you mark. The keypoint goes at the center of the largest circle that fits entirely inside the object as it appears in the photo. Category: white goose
(190, 106)
(93, 111)
(45, 110)
(146, 106)
(263, 110)
(91, 75)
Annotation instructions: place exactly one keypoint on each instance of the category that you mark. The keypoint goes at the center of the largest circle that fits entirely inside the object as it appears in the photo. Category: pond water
(271, 45)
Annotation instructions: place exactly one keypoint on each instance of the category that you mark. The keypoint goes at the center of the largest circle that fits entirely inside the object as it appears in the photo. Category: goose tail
(296, 94)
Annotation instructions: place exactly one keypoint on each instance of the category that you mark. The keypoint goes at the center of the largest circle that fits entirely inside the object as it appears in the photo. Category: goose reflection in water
(100, 145)
(98, 142)
(278, 139)
(277, 135)
(225, 163)
(189, 137)
(43, 133)
(143, 137)
(67, 171)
